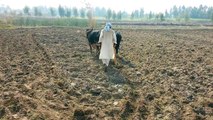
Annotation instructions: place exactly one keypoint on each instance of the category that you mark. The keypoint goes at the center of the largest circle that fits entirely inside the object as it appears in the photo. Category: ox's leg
(116, 48)
(90, 46)
(98, 49)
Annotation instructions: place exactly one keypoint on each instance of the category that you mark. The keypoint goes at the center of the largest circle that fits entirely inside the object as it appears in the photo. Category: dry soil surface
(49, 74)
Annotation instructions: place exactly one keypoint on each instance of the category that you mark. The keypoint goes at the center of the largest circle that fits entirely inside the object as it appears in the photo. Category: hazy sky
(127, 5)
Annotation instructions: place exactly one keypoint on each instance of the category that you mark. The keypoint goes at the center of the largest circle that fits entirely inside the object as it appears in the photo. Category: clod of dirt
(150, 96)
(95, 91)
(159, 45)
(79, 114)
(117, 95)
(138, 73)
(168, 72)
(73, 84)
(199, 110)
(127, 110)
(118, 66)
(142, 109)
(115, 103)
(57, 106)
(146, 72)
(210, 104)
(74, 93)
(14, 108)
(133, 95)
(2, 111)
(86, 114)
(114, 111)
(74, 74)
(188, 99)
(106, 95)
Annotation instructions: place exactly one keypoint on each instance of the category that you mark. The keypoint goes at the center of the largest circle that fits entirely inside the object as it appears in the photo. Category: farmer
(107, 39)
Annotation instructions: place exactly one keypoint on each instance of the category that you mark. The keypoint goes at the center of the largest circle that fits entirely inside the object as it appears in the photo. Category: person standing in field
(107, 39)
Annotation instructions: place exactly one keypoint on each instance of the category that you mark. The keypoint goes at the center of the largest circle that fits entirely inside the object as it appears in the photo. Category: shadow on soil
(113, 71)
(114, 75)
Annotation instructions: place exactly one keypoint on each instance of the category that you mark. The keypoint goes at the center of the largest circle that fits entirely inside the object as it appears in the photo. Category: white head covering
(107, 26)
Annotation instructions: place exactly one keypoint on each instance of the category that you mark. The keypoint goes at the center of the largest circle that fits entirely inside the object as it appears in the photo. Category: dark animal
(119, 39)
(93, 38)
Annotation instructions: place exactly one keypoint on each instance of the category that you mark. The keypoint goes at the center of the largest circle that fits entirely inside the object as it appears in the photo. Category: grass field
(97, 22)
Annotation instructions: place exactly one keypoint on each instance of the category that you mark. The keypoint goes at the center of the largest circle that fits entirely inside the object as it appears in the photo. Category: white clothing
(106, 61)
(107, 40)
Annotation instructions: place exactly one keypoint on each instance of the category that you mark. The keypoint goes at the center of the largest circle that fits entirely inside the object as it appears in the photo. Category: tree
(82, 13)
(109, 14)
(113, 15)
(166, 14)
(141, 13)
(175, 11)
(61, 11)
(97, 11)
(5, 9)
(119, 15)
(162, 18)
(212, 17)
(89, 14)
(150, 15)
(103, 12)
(186, 16)
(209, 12)
(157, 16)
(37, 12)
(68, 12)
(124, 14)
(194, 12)
(202, 11)
(132, 15)
(75, 12)
(136, 14)
(26, 10)
(52, 12)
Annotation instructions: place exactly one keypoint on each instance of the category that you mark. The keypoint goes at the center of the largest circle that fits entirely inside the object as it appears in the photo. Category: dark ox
(93, 38)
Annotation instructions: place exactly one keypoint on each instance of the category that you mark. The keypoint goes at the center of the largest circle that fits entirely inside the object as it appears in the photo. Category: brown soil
(49, 73)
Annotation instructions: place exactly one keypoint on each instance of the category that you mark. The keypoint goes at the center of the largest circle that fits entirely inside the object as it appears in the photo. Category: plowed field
(49, 74)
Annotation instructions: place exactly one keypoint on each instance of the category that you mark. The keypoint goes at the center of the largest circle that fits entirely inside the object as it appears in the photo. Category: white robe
(107, 40)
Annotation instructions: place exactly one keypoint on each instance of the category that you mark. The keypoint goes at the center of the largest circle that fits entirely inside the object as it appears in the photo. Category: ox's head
(88, 31)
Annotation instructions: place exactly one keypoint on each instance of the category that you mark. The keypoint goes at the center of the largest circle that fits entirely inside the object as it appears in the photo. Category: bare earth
(49, 74)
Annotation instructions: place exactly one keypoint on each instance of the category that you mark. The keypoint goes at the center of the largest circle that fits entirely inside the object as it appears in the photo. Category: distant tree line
(181, 12)
(201, 12)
